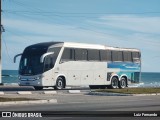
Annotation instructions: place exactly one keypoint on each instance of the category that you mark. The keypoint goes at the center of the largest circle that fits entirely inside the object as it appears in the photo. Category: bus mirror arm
(16, 57)
(44, 55)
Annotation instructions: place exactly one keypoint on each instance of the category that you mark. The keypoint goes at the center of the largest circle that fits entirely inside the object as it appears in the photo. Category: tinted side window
(93, 55)
(109, 55)
(103, 55)
(80, 54)
(136, 56)
(68, 54)
(114, 55)
(120, 56)
(127, 56)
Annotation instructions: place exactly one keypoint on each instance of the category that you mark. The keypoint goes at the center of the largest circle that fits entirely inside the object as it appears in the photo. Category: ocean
(148, 79)
(10, 76)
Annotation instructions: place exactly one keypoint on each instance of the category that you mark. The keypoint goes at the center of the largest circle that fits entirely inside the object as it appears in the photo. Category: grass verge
(2, 99)
(132, 90)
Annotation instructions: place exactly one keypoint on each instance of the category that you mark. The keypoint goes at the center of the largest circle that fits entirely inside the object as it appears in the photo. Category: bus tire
(114, 83)
(38, 87)
(60, 83)
(122, 83)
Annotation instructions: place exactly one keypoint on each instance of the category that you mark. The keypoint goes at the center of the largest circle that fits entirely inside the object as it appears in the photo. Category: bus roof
(96, 46)
(44, 44)
(80, 45)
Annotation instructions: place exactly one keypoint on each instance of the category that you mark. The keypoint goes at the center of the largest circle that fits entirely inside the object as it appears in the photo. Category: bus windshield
(30, 61)
(30, 65)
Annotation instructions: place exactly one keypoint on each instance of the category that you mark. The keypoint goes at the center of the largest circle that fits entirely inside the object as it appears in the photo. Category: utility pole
(2, 30)
(0, 49)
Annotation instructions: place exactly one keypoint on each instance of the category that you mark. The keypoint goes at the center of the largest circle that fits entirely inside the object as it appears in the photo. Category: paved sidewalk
(29, 102)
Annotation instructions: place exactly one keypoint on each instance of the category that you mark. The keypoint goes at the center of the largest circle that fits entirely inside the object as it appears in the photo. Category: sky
(119, 23)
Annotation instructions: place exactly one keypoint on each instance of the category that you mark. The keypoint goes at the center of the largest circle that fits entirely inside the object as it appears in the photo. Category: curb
(29, 102)
(74, 91)
(120, 94)
(43, 92)
(1, 93)
(146, 94)
(30, 92)
(24, 92)
(108, 94)
(50, 92)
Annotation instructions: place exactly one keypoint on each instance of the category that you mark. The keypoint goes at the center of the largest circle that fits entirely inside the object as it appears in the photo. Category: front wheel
(59, 83)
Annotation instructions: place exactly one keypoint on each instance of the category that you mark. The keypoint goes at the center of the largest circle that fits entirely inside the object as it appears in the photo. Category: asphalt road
(81, 102)
(84, 102)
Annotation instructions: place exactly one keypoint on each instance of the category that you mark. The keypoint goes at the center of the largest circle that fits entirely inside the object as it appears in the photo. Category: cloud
(121, 31)
(39, 32)
(138, 31)
(145, 24)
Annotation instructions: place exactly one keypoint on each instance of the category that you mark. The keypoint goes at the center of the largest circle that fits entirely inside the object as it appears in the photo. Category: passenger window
(127, 56)
(109, 55)
(120, 56)
(93, 55)
(114, 55)
(103, 55)
(80, 54)
(135, 56)
(68, 54)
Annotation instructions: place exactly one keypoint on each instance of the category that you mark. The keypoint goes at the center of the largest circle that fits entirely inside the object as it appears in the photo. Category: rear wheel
(38, 87)
(122, 83)
(114, 83)
(60, 84)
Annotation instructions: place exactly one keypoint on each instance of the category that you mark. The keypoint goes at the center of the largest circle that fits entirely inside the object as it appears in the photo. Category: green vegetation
(2, 99)
(132, 90)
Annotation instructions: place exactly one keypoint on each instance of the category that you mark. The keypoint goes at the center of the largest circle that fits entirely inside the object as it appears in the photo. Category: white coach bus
(61, 64)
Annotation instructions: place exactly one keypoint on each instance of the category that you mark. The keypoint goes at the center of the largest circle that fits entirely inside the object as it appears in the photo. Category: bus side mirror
(44, 55)
(16, 57)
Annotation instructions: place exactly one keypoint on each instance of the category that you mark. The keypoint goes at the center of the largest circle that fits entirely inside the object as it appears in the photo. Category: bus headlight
(19, 77)
(38, 77)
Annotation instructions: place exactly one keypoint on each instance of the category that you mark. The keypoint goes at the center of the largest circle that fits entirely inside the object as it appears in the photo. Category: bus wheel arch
(123, 82)
(60, 83)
